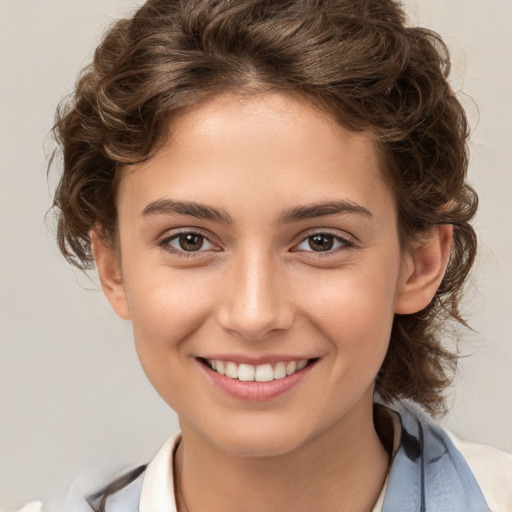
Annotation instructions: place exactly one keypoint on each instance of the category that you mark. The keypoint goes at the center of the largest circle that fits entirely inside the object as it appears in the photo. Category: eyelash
(345, 244)
(165, 243)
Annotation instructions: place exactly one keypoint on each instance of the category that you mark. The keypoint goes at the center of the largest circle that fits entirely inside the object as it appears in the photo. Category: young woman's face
(261, 235)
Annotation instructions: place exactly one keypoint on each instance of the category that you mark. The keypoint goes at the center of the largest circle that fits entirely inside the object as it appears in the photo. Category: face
(261, 238)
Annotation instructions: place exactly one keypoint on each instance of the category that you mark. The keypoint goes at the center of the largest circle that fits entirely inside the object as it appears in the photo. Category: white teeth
(220, 367)
(246, 372)
(279, 371)
(231, 370)
(292, 366)
(264, 373)
(261, 373)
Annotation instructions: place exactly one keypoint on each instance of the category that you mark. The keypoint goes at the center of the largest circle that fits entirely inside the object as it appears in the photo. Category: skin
(257, 288)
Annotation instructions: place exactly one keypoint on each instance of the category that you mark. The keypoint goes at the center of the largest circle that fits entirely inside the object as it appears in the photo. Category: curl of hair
(355, 59)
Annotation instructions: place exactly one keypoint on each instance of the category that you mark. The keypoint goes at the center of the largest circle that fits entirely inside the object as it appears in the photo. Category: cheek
(167, 310)
(354, 311)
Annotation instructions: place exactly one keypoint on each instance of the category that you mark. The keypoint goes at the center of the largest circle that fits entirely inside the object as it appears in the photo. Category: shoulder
(144, 487)
(472, 468)
(98, 491)
(492, 469)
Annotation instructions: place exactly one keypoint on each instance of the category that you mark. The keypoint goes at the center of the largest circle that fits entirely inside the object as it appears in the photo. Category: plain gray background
(72, 394)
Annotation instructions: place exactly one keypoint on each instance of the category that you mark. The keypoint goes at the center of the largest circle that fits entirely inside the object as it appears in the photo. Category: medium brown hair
(355, 59)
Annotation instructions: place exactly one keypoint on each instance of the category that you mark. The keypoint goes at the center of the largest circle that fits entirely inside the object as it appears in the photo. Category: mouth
(256, 382)
(267, 372)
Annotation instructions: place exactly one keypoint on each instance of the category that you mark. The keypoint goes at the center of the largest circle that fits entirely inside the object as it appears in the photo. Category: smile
(256, 382)
(256, 373)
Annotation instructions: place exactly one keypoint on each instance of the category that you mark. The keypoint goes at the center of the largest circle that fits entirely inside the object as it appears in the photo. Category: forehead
(272, 148)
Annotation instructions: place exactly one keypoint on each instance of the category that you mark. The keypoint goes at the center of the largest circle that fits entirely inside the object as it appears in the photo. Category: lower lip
(256, 391)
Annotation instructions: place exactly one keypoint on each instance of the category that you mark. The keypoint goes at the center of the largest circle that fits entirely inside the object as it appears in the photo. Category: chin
(258, 445)
(261, 437)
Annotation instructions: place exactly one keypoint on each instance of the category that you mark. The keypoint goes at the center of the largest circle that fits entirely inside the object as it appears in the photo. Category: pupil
(321, 242)
(191, 242)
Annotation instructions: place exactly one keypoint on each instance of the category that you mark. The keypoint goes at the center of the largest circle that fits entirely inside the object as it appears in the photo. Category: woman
(274, 194)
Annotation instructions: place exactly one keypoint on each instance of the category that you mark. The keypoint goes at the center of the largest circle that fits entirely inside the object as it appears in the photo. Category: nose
(255, 303)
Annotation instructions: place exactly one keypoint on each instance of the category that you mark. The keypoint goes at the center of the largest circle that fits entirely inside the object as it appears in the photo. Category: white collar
(158, 486)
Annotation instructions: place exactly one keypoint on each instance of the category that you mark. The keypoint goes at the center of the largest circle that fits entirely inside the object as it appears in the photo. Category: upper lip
(255, 361)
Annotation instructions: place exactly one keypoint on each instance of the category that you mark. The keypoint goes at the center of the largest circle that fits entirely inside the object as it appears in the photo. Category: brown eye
(189, 242)
(321, 242)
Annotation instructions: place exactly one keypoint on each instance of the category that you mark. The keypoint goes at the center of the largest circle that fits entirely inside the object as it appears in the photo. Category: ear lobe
(109, 270)
(424, 270)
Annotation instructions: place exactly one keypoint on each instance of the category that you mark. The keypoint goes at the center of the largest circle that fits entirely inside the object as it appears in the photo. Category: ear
(423, 270)
(109, 270)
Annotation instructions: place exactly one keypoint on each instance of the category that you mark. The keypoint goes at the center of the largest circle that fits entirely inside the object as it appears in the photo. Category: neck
(342, 469)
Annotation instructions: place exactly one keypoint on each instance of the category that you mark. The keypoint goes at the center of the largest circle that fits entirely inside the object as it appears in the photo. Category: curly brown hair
(356, 59)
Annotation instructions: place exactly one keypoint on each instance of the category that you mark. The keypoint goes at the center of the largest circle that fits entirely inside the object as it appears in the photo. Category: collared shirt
(431, 471)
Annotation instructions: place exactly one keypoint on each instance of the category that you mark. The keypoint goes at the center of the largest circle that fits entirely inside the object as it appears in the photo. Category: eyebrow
(202, 211)
(323, 209)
